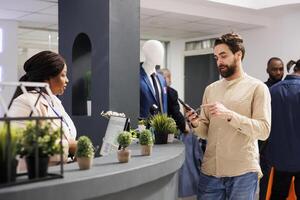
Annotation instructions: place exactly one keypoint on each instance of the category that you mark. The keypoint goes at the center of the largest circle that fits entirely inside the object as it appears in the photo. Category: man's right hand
(192, 118)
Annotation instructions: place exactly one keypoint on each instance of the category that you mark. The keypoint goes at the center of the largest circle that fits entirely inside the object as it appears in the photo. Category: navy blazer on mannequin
(147, 97)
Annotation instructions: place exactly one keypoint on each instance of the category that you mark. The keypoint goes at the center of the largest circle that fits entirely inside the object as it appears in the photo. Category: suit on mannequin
(154, 53)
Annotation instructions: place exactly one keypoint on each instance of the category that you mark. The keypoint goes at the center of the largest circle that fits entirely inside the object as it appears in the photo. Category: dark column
(101, 37)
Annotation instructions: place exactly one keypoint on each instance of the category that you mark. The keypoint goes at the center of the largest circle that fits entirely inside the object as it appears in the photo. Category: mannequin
(153, 51)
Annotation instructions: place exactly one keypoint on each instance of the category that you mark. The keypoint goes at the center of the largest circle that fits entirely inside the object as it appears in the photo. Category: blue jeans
(227, 188)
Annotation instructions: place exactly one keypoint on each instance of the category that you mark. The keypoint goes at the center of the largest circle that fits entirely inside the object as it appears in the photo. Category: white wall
(260, 45)
(8, 57)
(290, 38)
(280, 39)
(176, 65)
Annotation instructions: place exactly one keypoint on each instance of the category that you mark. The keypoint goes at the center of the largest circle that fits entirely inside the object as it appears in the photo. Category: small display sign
(115, 126)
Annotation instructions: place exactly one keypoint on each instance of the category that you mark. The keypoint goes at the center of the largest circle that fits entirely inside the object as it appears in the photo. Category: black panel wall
(199, 72)
(101, 36)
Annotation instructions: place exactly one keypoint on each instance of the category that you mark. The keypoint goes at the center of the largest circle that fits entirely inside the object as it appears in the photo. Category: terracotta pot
(146, 150)
(124, 155)
(84, 163)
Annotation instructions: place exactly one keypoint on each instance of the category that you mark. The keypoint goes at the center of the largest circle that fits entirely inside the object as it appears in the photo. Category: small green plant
(40, 135)
(145, 122)
(9, 138)
(5, 150)
(84, 147)
(146, 137)
(163, 124)
(142, 122)
(172, 126)
(124, 139)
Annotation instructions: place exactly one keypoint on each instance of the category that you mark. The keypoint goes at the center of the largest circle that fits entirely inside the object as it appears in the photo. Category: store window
(199, 45)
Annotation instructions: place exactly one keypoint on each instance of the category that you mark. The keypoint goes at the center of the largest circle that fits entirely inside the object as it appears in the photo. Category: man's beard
(230, 70)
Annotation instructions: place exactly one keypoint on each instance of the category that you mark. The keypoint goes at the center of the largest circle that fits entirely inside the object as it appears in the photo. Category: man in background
(275, 70)
(173, 105)
(282, 151)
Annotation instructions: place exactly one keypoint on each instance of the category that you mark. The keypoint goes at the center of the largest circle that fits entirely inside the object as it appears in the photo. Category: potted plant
(142, 125)
(146, 141)
(162, 126)
(39, 141)
(124, 140)
(172, 129)
(84, 153)
(9, 137)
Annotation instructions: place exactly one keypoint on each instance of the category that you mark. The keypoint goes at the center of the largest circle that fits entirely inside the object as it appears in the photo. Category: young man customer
(236, 112)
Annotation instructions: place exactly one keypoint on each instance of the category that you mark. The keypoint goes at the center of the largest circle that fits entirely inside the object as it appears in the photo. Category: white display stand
(115, 126)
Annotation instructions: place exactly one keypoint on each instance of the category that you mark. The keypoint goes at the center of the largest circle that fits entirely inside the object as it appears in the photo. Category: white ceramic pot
(170, 138)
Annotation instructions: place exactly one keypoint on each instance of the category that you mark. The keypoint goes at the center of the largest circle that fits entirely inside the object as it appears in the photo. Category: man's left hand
(216, 109)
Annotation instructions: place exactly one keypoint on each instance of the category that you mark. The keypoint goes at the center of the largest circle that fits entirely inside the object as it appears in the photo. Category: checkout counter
(152, 177)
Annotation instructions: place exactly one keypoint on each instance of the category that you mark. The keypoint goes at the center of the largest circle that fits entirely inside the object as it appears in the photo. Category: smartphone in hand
(187, 107)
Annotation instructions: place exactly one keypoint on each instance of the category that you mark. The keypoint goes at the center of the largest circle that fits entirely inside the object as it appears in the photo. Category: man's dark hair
(291, 63)
(274, 58)
(233, 41)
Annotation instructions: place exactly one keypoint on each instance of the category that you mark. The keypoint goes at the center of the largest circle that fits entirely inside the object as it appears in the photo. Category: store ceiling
(38, 21)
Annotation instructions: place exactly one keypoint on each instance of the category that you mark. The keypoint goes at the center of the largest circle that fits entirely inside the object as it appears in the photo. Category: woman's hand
(72, 147)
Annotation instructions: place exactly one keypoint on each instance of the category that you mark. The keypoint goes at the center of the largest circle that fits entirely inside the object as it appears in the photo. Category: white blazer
(45, 107)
